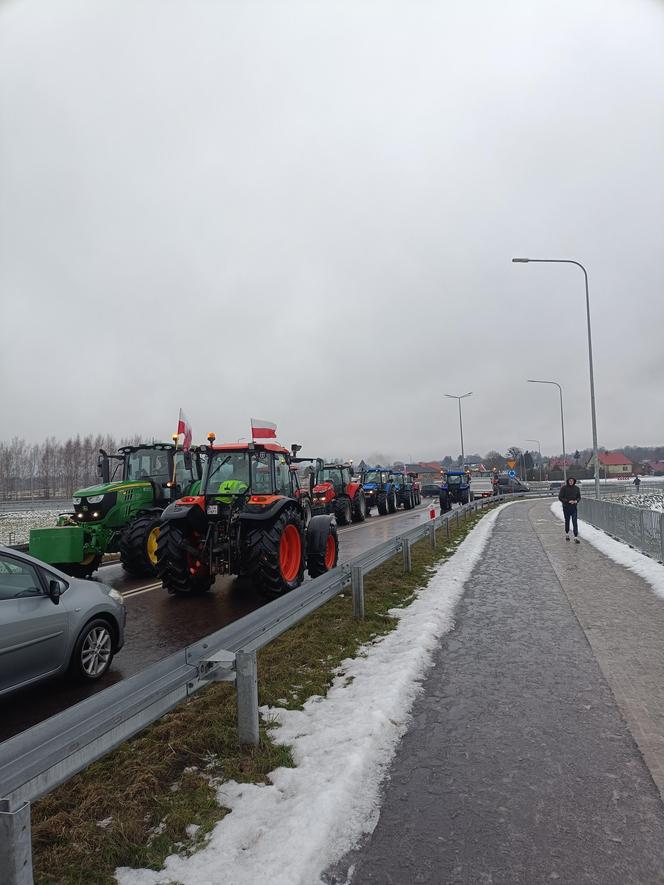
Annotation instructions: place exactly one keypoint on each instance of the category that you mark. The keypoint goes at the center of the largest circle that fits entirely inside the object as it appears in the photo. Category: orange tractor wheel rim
(330, 551)
(290, 553)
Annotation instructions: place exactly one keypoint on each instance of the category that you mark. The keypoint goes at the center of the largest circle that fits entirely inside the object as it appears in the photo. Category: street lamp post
(539, 449)
(459, 398)
(593, 414)
(562, 419)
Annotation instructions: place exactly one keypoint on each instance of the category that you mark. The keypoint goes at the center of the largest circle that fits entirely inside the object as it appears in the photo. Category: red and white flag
(263, 429)
(184, 432)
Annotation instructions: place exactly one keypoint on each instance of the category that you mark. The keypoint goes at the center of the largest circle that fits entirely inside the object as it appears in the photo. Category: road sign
(511, 464)
(511, 473)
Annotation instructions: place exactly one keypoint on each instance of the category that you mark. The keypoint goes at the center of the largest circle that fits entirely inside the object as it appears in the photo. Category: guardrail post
(407, 562)
(661, 536)
(447, 526)
(432, 535)
(357, 585)
(246, 683)
(457, 519)
(15, 845)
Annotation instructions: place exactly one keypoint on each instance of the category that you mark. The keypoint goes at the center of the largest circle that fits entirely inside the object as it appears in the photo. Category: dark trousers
(569, 511)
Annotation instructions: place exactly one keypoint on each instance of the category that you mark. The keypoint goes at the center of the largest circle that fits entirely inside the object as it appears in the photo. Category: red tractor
(250, 518)
(335, 492)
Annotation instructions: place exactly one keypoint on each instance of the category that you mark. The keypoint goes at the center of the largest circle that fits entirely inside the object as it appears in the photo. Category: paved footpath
(535, 747)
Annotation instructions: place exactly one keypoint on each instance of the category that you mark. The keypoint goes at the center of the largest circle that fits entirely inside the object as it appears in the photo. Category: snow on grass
(15, 525)
(621, 553)
(289, 831)
(644, 500)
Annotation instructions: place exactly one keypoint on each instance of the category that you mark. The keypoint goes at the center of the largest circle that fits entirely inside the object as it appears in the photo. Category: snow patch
(289, 831)
(621, 553)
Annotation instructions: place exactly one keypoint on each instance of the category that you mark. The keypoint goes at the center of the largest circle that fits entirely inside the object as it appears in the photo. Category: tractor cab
(333, 477)
(244, 475)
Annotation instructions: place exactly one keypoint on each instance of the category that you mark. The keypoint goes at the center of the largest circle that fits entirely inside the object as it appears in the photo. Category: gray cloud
(306, 212)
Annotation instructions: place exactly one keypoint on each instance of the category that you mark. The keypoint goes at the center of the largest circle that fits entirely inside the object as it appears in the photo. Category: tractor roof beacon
(122, 513)
(249, 518)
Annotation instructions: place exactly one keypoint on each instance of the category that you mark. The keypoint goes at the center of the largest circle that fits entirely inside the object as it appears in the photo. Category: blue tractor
(379, 490)
(455, 489)
(405, 489)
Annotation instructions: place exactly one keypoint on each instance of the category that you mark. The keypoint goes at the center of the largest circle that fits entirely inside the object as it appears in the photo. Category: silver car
(51, 623)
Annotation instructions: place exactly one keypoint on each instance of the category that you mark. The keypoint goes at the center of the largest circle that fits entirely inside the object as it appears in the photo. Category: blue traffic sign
(511, 473)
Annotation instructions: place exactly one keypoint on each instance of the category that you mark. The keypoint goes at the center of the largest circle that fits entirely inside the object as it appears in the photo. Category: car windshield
(147, 464)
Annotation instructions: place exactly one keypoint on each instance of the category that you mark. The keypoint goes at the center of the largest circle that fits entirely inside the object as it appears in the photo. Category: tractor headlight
(76, 500)
(96, 499)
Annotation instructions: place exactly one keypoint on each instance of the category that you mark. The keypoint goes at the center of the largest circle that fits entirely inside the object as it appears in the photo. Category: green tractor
(121, 515)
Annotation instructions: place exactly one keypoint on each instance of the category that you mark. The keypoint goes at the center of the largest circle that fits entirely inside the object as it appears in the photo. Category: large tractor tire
(343, 510)
(418, 499)
(408, 502)
(138, 545)
(381, 503)
(321, 562)
(392, 502)
(179, 569)
(359, 506)
(275, 554)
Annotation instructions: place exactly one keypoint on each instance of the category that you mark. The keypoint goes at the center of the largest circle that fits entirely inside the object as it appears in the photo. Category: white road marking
(138, 590)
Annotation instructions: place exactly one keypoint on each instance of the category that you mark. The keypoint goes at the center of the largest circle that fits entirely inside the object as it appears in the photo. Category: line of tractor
(246, 508)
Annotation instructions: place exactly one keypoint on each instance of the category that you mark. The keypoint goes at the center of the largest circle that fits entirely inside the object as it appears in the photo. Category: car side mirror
(55, 590)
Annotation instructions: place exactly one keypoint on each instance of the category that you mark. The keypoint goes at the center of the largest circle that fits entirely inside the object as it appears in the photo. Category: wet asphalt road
(159, 624)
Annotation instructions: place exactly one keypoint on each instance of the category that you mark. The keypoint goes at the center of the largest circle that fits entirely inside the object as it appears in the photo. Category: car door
(33, 630)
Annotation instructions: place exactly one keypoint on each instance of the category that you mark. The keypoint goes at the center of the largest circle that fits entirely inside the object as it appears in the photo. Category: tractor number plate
(213, 509)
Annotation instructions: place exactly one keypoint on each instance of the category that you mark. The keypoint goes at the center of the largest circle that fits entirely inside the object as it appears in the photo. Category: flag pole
(175, 440)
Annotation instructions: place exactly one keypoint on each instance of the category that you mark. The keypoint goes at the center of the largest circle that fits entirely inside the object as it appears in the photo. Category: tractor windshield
(372, 476)
(232, 471)
(455, 480)
(333, 475)
(147, 464)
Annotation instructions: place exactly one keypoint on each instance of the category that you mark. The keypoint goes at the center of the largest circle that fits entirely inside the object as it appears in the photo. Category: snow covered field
(289, 831)
(646, 500)
(15, 525)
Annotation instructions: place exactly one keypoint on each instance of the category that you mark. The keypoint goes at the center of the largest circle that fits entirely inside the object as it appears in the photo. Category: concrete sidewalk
(521, 764)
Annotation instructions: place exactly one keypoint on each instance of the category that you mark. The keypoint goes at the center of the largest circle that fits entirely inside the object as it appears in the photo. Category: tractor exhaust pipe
(103, 467)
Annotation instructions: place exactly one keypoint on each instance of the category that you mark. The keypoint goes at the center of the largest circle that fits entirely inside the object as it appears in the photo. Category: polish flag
(263, 429)
(184, 431)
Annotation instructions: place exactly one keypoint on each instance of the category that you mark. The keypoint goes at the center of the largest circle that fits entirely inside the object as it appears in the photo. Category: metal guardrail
(640, 528)
(36, 761)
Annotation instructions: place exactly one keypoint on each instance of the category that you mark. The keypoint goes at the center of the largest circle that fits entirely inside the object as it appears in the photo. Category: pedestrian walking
(570, 495)
(637, 482)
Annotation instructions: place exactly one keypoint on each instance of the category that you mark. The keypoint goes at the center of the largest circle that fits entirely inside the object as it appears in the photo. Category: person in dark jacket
(570, 495)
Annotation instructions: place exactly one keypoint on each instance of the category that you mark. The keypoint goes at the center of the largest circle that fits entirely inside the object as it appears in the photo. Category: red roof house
(612, 463)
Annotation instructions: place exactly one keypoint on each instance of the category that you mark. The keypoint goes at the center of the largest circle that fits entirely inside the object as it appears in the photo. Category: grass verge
(156, 794)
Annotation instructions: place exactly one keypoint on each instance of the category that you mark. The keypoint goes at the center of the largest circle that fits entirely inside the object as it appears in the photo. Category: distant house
(657, 467)
(612, 464)
(428, 471)
(557, 463)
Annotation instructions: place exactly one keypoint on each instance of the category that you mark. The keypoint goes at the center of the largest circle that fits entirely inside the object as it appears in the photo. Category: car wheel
(93, 651)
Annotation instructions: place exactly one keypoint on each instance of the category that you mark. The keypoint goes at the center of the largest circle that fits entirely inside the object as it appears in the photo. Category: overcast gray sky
(306, 212)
